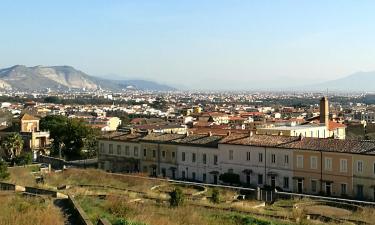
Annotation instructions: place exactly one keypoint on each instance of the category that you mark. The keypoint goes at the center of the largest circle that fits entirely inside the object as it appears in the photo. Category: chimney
(324, 111)
(209, 133)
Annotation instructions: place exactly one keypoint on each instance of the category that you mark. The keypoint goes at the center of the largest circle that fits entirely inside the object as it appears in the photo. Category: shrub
(3, 170)
(215, 198)
(231, 178)
(176, 197)
(24, 159)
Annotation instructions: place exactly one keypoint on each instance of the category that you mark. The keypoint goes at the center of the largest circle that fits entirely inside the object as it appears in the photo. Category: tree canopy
(12, 146)
(72, 136)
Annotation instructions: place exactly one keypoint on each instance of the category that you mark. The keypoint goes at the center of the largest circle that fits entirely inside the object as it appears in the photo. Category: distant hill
(359, 82)
(20, 77)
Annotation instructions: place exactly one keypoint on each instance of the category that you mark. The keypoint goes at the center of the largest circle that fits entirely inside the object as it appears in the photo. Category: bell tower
(324, 111)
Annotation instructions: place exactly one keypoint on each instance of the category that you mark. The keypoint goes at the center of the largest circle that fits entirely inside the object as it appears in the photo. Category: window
(204, 178)
(102, 147)
(127, 151)
(343, 189)
(286, 182)
(248, 156)
(343, 165)
(154, 153)
(328, 163)
(286, 159)
(260, 157)
(135, 151)
(173, 155)
(144, 152)
(313, 185)
(163, 154)
(299, 161)
(110, 148)
(230, 154)
(204, 158)
(215, 159)
(183, 156)
(273, 158)
(118, 149)
(260, 178)
(314, 162)
(359, 166)
(193, 157)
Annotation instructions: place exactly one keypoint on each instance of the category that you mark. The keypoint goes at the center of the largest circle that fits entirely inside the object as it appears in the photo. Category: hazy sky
(201, 44)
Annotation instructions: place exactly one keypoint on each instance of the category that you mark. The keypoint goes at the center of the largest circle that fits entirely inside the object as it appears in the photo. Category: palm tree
(12, 145)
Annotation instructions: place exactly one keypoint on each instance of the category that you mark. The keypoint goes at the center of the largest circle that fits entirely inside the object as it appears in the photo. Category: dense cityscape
(187, 112)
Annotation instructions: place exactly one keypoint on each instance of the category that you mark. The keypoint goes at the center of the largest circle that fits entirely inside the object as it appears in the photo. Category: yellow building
(364, 175)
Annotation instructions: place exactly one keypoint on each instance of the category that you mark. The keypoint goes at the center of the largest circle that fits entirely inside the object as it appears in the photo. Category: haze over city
(194, 44)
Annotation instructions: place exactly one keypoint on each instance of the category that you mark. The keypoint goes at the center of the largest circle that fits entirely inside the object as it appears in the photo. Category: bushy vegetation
(230, 178)
(176, 197)
(215, 198)
(28, 211)
(4, 174)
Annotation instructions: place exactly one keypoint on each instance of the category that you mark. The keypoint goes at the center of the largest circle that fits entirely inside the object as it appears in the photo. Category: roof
(27, 116)
(315, 144)
(121, 136)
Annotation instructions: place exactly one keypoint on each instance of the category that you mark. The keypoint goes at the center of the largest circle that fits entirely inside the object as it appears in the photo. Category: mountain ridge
(21, 77)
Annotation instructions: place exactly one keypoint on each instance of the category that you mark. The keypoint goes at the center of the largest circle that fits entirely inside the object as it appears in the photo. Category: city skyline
(211, 45)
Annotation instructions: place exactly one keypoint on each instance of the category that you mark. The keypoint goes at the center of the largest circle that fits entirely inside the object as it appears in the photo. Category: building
(318, 166)
(316, 127)
(34, 139)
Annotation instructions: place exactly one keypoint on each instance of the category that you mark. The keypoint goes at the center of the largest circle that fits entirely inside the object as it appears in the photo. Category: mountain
(357, 82)
(20, 77)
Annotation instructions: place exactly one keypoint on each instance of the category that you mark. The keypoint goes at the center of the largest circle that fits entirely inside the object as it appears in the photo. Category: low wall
(55, 162)
(80, 213)
(11, 187)
(103, 222)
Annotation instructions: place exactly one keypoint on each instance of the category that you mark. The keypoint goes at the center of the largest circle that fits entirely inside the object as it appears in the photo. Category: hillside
(20, 77)
(358, 82)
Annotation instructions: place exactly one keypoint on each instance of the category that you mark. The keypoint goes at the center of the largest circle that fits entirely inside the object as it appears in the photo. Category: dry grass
(21, 176)
(151, 212)
(19, 210)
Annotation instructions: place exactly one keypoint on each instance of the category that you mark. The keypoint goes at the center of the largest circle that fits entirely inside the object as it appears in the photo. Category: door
(273, 181)
(248, 179)
(299, 185)
(328, 189)
(173, 174)
(215, 179)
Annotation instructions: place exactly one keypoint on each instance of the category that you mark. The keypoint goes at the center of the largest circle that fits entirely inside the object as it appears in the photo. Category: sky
(197, 44)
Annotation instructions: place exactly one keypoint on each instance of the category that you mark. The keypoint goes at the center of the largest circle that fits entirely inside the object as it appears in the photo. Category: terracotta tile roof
(333, 125)
(121, 136)
(315, 144)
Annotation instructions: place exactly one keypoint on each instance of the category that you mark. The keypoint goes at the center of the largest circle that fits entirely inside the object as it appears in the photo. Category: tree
(71, 136)
(215, 198)
(12, 145)
(3, 170)
(176, 198)
(231, 178)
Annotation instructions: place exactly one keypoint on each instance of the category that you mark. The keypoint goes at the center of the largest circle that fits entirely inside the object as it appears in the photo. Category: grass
(28, 211)
(150, 212)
